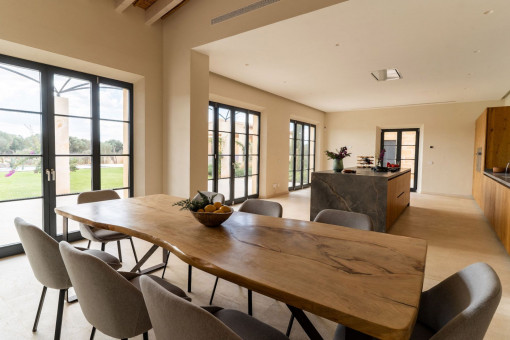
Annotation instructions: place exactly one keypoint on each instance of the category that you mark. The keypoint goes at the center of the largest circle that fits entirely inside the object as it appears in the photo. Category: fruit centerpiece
(205, 210)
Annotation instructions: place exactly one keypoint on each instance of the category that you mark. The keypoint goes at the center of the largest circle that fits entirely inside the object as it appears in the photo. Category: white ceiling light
(387, 74)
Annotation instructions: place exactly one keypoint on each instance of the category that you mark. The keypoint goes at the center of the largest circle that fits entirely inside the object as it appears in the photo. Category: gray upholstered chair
(460, 307)
(258, 207)
(177, 319)
(217, 198)
(341, 218)
(44, 258)
(111, 301)
(102, 236)
(345, 218)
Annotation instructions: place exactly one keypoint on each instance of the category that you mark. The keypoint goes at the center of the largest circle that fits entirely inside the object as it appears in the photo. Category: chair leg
(214, 290)
(289, 327)
(250, 303)
(88, 245)
(134, 251)
(103, 245)
(119, 251)
(41, 302)
(146, 336)
(166, 264)
(93, 333)
(60, 311)
(189, 277)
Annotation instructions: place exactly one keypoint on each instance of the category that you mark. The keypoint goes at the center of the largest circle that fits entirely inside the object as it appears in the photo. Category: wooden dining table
(368, 281)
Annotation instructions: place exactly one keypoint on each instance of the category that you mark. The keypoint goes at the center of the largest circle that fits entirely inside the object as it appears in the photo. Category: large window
(233, 152)
(61, 133)
(301, 154)
(401, 147)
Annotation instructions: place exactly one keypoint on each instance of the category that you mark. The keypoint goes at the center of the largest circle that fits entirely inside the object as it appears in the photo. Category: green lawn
(28, 184)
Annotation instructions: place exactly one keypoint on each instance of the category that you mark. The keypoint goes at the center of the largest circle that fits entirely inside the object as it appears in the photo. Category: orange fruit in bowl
(217, 205)
(200, 210)
(210, 208)
(218, 211)
(225, 209)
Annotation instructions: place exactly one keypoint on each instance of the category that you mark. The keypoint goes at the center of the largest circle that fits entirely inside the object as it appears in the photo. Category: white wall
(450, 128)
(276, 113)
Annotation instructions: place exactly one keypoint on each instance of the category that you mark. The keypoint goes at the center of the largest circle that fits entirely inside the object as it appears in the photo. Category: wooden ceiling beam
(158, 9)
(122, 5)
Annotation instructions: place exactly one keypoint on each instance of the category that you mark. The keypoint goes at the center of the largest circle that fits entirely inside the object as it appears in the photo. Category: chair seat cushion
(111, 260)
(134, 278)
(108, 235)
(247, 327)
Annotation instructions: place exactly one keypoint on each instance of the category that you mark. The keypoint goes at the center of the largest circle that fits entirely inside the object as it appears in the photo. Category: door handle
(53, 174)
(48, 174)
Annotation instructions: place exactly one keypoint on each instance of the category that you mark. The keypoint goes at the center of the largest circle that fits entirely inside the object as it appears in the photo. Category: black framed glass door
(301, 154)
(402, 147)
(61, 133)
(233, 152)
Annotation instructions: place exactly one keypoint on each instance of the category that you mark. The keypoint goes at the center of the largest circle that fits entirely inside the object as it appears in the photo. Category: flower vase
(338, 165)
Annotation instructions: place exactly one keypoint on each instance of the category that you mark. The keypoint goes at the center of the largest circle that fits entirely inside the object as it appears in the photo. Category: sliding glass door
(301, 154)
(233, 152)
(61, 133)
(401, 147)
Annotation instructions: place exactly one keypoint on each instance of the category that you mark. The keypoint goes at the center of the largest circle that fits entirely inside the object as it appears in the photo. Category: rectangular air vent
(387, 74)
(241, 11)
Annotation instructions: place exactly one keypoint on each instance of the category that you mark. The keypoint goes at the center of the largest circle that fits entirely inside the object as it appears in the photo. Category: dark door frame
(296, 186)
(399, 146)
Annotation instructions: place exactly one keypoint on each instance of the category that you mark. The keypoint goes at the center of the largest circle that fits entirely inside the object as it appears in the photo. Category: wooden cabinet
(398, 197)
(496, 207)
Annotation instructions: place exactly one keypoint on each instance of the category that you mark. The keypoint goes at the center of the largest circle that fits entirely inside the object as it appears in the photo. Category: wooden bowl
(498, 169)
(211, 219)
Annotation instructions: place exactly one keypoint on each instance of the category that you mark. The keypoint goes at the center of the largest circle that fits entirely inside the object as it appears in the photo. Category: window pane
(239, 190)
(240, 122)
(113, 102)
(73, 174)
(30, 210)
(291, 146)
(254, 144)
(72, 136)
(407, 164)
(253, 124)
(408, 152)
(114, 172)
(72, 96)
(210, 143)
(71, 225)
(210, 186)
(312, 162)
(305, 162)
(291, 130)
(307, 133)
(240, 144)
(20, 88)
(210, 167)
(305, 177)
(224, 120)
(224, 167)
(114, 138)
(20, 177)
(312, 133)
(291, 179)
(391, 136)
(20, 133)
(211, 118)
(299, 129)
(240, 166)
(224, 143)
(224, 188)
(312, 148)
(253, 165)
(291, 163)
(298, 163)
(299, 147)
(306, 147)
(408, 137)
(298, 178)
(252, 185)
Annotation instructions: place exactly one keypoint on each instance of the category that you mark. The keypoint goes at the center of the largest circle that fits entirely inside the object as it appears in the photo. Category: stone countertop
(367, 173)
(499, 177)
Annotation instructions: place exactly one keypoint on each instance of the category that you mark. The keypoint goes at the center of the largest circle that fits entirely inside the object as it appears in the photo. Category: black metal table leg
(305, 323)
(145, 258)
(41, 302)
(250, 303)
(189, 277)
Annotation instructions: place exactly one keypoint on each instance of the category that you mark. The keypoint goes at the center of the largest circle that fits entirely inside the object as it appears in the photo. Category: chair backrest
(218, 198)
(97, 196)
(43, 255)
(109, 301)
(462, 306)
(175, 318)
(345, 218)
(262, 207)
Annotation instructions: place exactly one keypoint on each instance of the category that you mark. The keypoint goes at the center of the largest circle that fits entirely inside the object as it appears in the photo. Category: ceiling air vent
(387, 74)
(241, 11)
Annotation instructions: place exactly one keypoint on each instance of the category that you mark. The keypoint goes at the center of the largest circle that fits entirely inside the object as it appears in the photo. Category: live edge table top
(364, 280)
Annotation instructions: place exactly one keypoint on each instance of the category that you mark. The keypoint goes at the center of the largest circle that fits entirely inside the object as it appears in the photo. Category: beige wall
(450, 128)
(89, 36)
(507, 101)
(185, 150)
(276, 113)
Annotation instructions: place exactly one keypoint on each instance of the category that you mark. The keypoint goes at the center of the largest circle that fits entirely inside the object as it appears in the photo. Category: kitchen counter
(501, 178)
(381, 195)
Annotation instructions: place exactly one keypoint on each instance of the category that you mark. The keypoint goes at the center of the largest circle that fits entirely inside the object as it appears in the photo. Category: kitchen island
(381, 195)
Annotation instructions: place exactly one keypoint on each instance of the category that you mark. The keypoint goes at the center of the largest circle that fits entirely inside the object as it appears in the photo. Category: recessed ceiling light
(476, 51)
(387, 74)
(337, 44)
(246, 64)
(490, 11)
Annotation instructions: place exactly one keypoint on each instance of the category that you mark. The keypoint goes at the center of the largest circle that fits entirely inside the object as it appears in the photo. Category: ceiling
(446, 51)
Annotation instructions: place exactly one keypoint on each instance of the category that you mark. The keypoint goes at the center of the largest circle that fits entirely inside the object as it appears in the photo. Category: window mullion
(96, 142)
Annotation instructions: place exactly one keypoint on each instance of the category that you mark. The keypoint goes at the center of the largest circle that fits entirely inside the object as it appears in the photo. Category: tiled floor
(456, 231)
